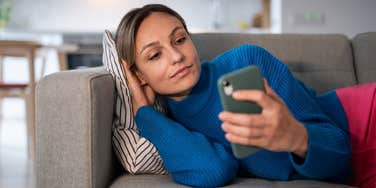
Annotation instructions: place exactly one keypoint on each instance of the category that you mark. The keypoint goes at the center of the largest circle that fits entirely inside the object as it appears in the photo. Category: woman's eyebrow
(174, 31)
(148, 45)
(156, 42)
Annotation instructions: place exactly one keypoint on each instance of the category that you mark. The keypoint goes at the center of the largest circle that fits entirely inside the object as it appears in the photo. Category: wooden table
(26, 49)
(61, 51)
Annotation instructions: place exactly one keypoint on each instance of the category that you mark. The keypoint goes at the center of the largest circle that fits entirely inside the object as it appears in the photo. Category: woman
(298, 139)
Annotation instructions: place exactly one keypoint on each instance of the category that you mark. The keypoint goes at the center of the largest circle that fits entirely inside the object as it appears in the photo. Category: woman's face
(166, 58)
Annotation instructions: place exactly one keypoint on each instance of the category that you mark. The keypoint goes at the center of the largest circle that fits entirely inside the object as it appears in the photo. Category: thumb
(271, 92)
(126, 68)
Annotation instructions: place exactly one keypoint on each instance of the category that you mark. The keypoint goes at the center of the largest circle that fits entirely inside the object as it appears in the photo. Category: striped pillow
(137, 154)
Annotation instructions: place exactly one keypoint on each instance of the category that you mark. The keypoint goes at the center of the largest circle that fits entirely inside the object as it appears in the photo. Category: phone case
(245, 78)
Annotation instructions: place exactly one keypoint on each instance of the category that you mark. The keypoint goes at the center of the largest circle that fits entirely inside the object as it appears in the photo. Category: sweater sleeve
(190, 157)
(328, 154)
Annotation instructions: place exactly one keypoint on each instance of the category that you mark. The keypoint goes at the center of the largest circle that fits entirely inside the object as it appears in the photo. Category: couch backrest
(364, 49)
(322, 61)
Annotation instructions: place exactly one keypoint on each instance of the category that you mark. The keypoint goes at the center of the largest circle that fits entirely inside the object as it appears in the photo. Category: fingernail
(228, 136)
(223, 126)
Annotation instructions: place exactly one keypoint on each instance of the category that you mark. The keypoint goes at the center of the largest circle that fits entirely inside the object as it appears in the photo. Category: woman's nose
(177, 55)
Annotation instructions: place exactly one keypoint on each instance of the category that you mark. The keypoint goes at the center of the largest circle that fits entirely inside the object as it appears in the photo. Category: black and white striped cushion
(137, 154)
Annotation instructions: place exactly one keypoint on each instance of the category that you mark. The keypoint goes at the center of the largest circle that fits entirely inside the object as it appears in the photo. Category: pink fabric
(359, 103)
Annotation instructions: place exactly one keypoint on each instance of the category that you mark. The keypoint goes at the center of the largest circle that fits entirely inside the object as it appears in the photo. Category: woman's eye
(154, 56)
(180, 40)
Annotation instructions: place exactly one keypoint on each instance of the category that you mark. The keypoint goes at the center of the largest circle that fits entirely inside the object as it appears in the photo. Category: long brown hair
(125, 37)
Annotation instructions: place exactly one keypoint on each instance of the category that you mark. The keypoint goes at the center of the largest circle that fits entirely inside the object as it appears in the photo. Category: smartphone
(245, 78)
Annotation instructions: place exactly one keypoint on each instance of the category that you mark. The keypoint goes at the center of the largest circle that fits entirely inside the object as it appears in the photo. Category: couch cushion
(321, 61)
(364, 48)
(165, 181)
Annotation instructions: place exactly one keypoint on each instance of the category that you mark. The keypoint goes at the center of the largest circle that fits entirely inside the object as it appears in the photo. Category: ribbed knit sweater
(193, 147)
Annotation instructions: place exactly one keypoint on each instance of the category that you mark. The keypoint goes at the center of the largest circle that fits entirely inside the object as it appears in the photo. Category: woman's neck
(179, 96)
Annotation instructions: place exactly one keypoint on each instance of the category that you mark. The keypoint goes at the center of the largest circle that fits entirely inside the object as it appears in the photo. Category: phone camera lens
(226, 83)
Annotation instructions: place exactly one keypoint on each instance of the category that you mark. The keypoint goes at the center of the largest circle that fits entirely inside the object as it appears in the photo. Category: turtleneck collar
(198, 97)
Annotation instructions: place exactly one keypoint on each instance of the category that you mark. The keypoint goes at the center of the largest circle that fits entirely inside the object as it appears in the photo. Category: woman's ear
(140, 77)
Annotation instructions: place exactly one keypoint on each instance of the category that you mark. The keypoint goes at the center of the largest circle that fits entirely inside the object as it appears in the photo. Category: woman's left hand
(275, 129)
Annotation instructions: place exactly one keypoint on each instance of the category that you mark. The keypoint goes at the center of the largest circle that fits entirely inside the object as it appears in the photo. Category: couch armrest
(74, 112)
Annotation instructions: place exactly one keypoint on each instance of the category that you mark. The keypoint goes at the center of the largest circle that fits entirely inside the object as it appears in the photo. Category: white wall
(329, 16)
(96, 15)
(276, 16)
(68, 15)
(334, 16)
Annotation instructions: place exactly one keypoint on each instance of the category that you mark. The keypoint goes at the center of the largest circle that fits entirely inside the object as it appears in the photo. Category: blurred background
(55, 35)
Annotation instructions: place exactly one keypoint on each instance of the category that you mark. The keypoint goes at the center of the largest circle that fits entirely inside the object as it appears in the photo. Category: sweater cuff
(328, 155)
(146, 120)
(155, 126)
(305, 165)
(317, 157)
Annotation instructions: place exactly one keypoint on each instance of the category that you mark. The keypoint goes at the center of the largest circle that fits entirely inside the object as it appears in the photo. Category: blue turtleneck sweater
(193, 147)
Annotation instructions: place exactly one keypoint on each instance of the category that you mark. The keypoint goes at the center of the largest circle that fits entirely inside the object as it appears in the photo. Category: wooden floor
(16, 170)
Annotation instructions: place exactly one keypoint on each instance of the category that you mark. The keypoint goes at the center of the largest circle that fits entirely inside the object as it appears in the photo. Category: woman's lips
(182, 72)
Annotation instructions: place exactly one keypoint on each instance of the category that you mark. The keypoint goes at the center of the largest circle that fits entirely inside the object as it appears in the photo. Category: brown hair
(125, 37)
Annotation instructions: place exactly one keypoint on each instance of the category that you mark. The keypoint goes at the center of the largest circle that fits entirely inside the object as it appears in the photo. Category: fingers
(242, 131)
(257, 96)
(124, 66)
(138, 94)
(255, 120)
(244, 140)
(264, 99)
(130, 76)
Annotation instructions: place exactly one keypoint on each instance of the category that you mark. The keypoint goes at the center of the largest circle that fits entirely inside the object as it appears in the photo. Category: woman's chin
(182, 88)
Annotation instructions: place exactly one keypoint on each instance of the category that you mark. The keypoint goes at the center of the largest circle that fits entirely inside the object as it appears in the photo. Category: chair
(26, 49)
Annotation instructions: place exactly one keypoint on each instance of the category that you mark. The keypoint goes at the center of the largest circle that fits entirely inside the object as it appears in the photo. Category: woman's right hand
(142, 95)
(275, 129)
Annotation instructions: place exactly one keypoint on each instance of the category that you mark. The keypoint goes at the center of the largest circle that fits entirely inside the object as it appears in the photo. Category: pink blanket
(359, 103)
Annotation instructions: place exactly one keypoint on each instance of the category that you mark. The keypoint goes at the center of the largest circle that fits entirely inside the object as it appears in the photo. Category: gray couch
(75, 108)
